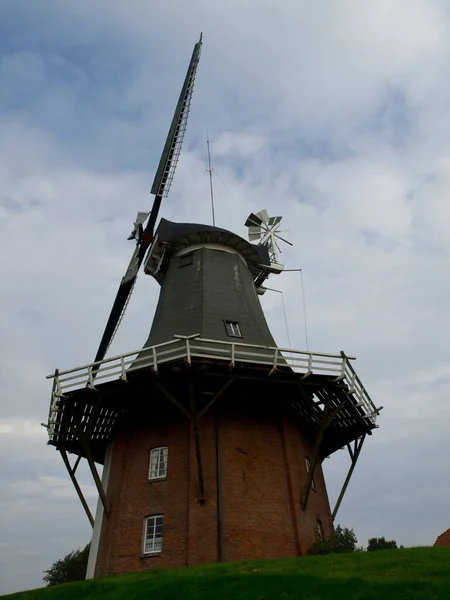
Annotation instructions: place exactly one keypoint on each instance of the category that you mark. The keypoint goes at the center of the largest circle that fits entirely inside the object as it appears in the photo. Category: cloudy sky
(332, 113)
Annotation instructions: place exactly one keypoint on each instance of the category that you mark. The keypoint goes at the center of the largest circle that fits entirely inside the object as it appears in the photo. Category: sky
(332, 114)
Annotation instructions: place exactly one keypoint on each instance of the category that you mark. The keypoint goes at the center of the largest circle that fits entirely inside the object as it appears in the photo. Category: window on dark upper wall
(153, 530)
(158, 463)
(186, 259)
(233, 329)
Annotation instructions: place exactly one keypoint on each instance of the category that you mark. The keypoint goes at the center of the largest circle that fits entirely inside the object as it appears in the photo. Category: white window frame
(156, 542)
(154, 463)
(233, 329)
(308, 469)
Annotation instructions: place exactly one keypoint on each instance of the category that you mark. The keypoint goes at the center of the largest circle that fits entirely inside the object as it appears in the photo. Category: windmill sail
(174, 141)
(161, 185)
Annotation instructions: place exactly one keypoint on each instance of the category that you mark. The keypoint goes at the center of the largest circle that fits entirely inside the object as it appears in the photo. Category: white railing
(186, 348)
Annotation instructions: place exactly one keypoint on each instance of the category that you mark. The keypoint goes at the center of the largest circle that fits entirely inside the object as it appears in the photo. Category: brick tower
(210, 436)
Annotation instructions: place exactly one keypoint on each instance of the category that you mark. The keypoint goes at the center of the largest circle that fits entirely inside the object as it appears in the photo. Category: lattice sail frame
(172, 148)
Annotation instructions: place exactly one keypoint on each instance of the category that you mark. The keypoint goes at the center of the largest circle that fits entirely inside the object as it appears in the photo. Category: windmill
(211, 437)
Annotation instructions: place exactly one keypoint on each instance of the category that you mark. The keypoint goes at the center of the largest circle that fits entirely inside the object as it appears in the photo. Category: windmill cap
(177, 236)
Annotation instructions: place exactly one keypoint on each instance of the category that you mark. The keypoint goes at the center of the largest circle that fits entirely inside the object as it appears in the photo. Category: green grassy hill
(414, 573)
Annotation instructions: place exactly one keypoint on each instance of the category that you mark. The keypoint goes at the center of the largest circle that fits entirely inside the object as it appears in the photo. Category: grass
(414, 573)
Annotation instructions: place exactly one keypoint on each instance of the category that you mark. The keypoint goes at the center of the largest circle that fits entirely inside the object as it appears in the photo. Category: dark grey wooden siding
(199, 297)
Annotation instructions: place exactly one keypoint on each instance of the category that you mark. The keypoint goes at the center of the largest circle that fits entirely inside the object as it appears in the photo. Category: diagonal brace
(354, 455)
(76, 484)
(172, 399)
(216, 396)
(198, 454)
(323, 424)
(314, 459)
(84, 444)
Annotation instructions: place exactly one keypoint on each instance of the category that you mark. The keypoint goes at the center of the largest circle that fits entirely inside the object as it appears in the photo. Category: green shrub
(342, 540)
(70, 568)
(381, 544)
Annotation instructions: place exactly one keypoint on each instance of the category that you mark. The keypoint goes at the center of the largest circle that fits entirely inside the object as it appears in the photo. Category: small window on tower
(186, 259)
(158, 463)
(153, 527)
(233, 329)
(308, 469)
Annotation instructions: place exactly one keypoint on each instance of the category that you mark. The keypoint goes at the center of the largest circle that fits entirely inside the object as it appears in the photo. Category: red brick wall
(262, 471)
(443, 539)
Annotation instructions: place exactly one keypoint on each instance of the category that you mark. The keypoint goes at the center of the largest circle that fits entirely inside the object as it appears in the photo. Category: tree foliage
(70, 568)
(342, 540)
(381, 544)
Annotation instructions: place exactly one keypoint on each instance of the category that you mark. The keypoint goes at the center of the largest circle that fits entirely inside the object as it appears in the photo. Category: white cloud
(50, 488)
(235, 145)
(18, 427)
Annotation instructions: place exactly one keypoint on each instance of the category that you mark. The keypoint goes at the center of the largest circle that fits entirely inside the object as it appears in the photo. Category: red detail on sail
(147, 238)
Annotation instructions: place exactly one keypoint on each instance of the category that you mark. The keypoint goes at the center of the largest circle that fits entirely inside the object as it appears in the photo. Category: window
(158, 463)
(153, 534)
(186, 259)
(320, 535)
(308, 469)
(233, 329)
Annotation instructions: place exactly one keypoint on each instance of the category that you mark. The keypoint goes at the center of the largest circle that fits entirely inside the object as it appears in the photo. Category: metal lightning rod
(210, 170)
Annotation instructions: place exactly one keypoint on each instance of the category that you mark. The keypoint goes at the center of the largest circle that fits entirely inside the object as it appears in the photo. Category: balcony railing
(185, 348)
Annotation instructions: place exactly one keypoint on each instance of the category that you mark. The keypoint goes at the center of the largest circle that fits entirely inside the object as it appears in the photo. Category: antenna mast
(210, 170)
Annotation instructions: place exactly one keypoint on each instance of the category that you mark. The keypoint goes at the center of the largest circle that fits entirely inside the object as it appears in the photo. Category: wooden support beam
(334, 412)
(354, 456)
(314, 459)
(223, 389)
(76, 484)
(286, 379)
(172, 398)
(198, 454)
(307, 403)
(323, 423)
(96, 477)
(75, 466)
(76, 423)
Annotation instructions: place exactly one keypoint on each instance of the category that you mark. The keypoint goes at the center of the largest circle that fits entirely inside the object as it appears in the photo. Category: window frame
(166, 458)
(147, 520)
(320, 531)
(232, 324)
(308, 469)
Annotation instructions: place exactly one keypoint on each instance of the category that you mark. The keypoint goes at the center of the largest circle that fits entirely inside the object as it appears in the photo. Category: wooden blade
(120, 303)
(253, 220)
(160, 188)
(263, 215)
(254, 233)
